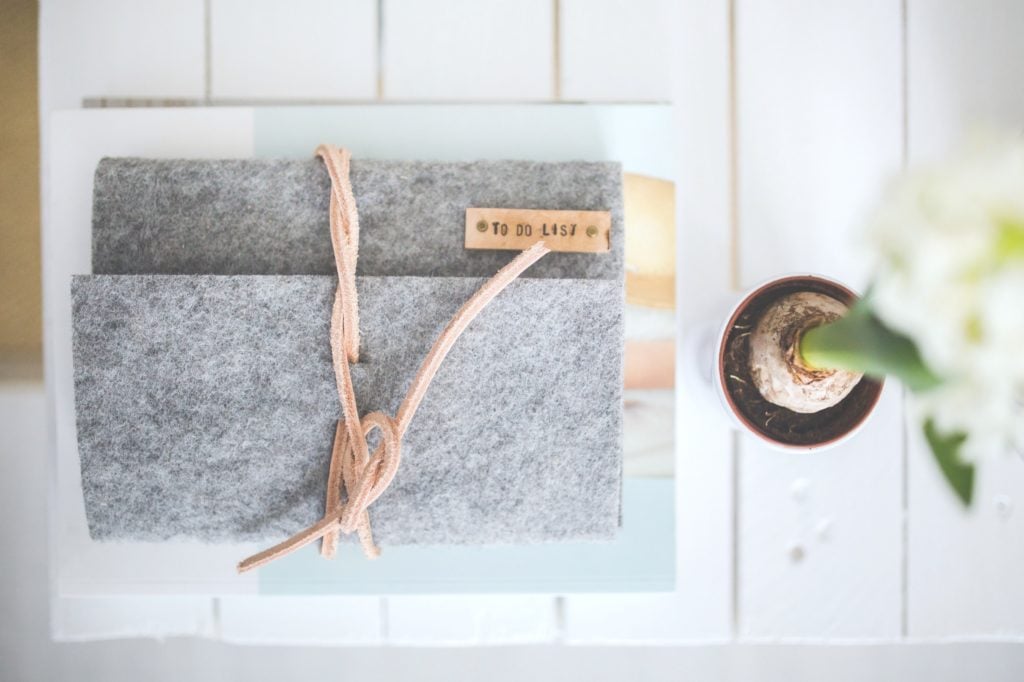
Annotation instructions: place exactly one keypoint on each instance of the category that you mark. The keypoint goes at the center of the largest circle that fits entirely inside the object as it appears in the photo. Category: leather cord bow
(366, 476)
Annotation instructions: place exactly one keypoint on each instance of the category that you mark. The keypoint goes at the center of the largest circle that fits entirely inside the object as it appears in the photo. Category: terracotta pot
(778, 427)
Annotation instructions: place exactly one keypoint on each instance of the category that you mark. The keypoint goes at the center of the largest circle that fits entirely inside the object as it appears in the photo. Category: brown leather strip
(366, 477)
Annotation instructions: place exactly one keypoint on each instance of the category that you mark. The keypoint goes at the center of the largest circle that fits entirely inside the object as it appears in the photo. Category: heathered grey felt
(206, 403)
(206, 406)
(270, 217)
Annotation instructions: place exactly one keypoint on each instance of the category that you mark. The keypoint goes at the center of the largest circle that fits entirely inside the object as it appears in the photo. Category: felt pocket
(207, 406)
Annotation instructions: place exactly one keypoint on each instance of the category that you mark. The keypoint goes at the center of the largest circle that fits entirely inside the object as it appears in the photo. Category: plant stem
(860, 342)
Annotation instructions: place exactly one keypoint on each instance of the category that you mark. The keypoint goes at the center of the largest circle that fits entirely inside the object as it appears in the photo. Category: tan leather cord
(366, 477)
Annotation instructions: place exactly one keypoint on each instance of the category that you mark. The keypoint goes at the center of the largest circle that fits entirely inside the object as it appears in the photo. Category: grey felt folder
(204, 390)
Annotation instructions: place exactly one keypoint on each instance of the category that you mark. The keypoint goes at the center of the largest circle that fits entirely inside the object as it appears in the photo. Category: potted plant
(800, 360)
(765, 383)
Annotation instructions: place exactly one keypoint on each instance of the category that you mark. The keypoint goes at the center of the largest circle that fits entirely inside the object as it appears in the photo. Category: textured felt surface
(269, 217)
(206, 407)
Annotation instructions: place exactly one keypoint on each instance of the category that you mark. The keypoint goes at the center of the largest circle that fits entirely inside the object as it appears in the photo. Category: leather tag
(516, 229)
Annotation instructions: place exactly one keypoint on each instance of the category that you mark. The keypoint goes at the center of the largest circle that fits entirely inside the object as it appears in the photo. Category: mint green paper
(642, 557)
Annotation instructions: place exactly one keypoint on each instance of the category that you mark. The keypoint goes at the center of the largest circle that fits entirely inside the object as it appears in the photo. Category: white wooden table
(791, 116)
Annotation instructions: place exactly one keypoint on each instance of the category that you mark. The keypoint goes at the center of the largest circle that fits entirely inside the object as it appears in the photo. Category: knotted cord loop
(366, 477)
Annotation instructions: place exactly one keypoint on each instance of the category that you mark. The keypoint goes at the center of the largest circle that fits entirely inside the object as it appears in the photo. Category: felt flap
(206, 407)
(265, 217)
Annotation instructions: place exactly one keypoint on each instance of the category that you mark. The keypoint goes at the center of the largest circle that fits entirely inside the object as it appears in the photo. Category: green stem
(860, 342)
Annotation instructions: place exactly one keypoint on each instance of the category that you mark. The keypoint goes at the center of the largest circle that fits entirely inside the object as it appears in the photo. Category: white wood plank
(965, 68)
(615, 50)
(821, 536)
(649, 619)
(77, 619)
(471, 619)
(819, 130)
(119, 48)
(468, 50)
(304, 50)
(308, 620)
(965, 71)
(701, 607)
(964, 568)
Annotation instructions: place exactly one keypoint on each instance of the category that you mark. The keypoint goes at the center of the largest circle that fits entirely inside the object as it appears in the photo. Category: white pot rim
(718, 373)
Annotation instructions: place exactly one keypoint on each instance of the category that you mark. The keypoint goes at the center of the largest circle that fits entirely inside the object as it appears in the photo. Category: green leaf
(860, 342)
(946, 448)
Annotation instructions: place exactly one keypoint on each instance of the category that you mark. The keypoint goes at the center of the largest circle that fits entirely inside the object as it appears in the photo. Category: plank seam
(734, 205)
(736, 456)
(734, 277)
(216, 621)
(207, 51)
(561, 631)
(385, 620)
(556, 37)
(380, 49)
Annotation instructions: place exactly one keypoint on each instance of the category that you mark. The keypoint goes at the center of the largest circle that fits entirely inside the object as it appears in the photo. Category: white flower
(950, 242)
